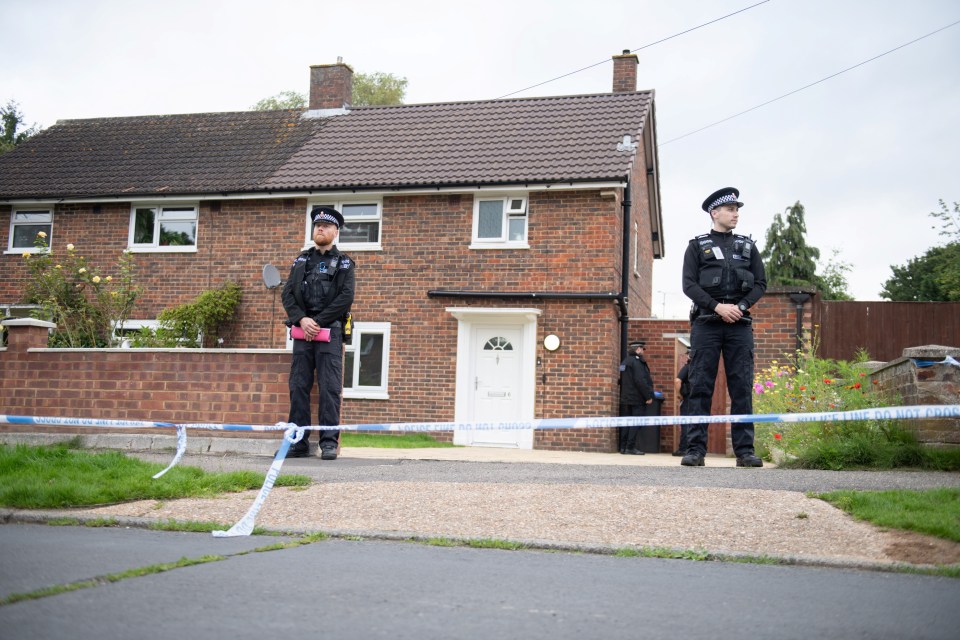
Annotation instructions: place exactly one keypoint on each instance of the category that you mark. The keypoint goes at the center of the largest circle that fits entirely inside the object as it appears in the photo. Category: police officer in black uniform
(724, 276)
(636, 394)
(317, 295)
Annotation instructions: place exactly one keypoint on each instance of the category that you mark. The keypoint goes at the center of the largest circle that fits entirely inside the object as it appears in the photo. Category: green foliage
(78, 297)
(11, 123)
(400, 441)
(283, 100)
(369, 89)
(378, 88)
(787, 258)
(58, 477)
(194, 324)
(934, 276)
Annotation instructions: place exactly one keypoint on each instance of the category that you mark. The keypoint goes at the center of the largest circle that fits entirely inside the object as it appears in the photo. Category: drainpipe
(799, 299)
(624, 271)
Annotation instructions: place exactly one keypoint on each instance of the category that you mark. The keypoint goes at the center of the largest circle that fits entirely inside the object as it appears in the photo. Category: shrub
(195, 324)
(84, 301)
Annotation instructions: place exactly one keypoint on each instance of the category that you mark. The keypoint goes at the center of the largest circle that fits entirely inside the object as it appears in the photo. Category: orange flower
(778, 436)
(827, 381)
(802, 388)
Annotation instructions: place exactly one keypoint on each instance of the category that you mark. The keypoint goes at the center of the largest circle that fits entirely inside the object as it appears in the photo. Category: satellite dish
(271, 277)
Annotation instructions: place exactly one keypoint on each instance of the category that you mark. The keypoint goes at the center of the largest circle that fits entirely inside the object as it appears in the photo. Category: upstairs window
(361, 224)
(163, 228)
(25, 224)
(500, 222)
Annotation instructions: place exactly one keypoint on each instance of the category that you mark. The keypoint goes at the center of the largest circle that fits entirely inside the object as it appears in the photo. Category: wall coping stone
(28, 322)
(931, 351)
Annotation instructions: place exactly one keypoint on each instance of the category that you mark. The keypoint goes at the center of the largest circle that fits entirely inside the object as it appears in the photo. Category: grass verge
(57, 477)
(934, 512)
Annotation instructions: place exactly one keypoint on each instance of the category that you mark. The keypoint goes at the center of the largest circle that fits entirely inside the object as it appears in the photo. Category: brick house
(479, 229)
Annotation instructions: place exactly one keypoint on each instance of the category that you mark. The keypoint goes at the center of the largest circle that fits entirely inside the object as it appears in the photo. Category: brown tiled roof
(145, 155)
(524, 140)
(571, 138)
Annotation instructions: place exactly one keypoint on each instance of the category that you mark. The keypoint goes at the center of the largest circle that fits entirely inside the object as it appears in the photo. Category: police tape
(293, 433)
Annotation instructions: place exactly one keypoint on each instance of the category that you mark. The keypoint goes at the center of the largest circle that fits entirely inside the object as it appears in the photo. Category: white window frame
(369, 392)
(128, 326)
(511, 212)
(40, 208)
(154, 246)
(339, 205)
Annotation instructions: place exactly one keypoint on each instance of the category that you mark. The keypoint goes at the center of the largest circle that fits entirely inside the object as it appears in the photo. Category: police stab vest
(724, 271)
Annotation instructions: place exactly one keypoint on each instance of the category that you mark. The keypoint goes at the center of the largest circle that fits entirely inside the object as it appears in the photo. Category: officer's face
(324, 233)
(725, 217)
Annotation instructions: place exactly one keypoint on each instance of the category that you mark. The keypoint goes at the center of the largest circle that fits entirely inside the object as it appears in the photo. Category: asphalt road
(375, 589)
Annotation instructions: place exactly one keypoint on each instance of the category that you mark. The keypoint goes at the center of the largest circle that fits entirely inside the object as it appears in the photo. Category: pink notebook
(297, 334)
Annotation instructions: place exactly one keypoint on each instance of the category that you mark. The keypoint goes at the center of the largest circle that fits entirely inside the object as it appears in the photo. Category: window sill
(361, 394)
(162, 249)
(500, 245)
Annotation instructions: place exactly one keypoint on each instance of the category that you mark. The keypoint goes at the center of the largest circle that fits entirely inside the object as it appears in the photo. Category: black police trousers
(326, 358)
(709, 339)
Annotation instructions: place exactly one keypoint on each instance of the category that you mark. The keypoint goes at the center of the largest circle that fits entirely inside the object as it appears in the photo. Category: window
(163, 228)
(500, 222)
(366, 361)
(25, 224)
(123, 334)
(361, 224)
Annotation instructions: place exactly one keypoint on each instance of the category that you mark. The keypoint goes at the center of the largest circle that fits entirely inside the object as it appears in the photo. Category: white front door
(496, 382)
(495, 375)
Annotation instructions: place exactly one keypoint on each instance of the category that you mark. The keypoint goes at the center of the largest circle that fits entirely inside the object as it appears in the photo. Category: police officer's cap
(327, 214)
(727, 195)
(637, 343)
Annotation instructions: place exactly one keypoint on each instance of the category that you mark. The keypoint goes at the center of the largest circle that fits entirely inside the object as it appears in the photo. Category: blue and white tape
(293, 433)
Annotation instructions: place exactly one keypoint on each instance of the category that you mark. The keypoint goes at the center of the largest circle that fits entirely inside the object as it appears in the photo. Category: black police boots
(692, 459)
(749, 460)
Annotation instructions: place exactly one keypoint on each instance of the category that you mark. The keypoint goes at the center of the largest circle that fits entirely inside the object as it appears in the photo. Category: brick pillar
(331, 86)
(625, 72)
(27, 333)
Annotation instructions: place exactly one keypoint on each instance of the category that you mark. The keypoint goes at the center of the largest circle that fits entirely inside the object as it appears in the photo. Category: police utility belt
(703, 316)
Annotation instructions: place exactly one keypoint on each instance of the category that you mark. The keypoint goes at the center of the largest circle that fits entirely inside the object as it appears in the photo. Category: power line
(597, 64)
(833, 75)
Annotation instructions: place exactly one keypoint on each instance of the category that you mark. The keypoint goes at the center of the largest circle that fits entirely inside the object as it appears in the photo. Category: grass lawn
(58, 477)
(935, 512)
(383, 441)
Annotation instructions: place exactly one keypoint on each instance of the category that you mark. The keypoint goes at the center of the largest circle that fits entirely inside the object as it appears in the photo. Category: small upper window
(500, 222)
(361, 224)
(163, 228)
(26, 225)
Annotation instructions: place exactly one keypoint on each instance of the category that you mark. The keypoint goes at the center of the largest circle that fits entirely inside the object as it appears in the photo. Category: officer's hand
(310, 327)
(729, 312)
(650, 401)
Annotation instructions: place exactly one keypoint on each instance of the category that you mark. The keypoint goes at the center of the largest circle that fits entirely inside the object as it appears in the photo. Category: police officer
(317, 295)
(636, 394)
(724, 276)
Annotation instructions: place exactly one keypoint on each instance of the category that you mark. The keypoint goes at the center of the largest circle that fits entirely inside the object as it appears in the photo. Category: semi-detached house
(501, 245)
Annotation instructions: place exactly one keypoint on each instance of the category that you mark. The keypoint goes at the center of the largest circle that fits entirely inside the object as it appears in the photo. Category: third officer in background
(723, 276)
(636, 394)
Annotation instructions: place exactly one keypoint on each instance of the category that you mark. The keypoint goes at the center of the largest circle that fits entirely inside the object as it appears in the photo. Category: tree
(283, 100)
(369, 89)
(934, 276)
(10, 121)
(378, 88)
(788, 260)
(832, 281)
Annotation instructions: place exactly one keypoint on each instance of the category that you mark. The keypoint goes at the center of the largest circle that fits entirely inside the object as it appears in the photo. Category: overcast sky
(868, 152)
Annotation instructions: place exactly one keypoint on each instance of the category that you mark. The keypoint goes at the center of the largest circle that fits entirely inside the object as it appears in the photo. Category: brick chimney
(331, 86)
(625, 72)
